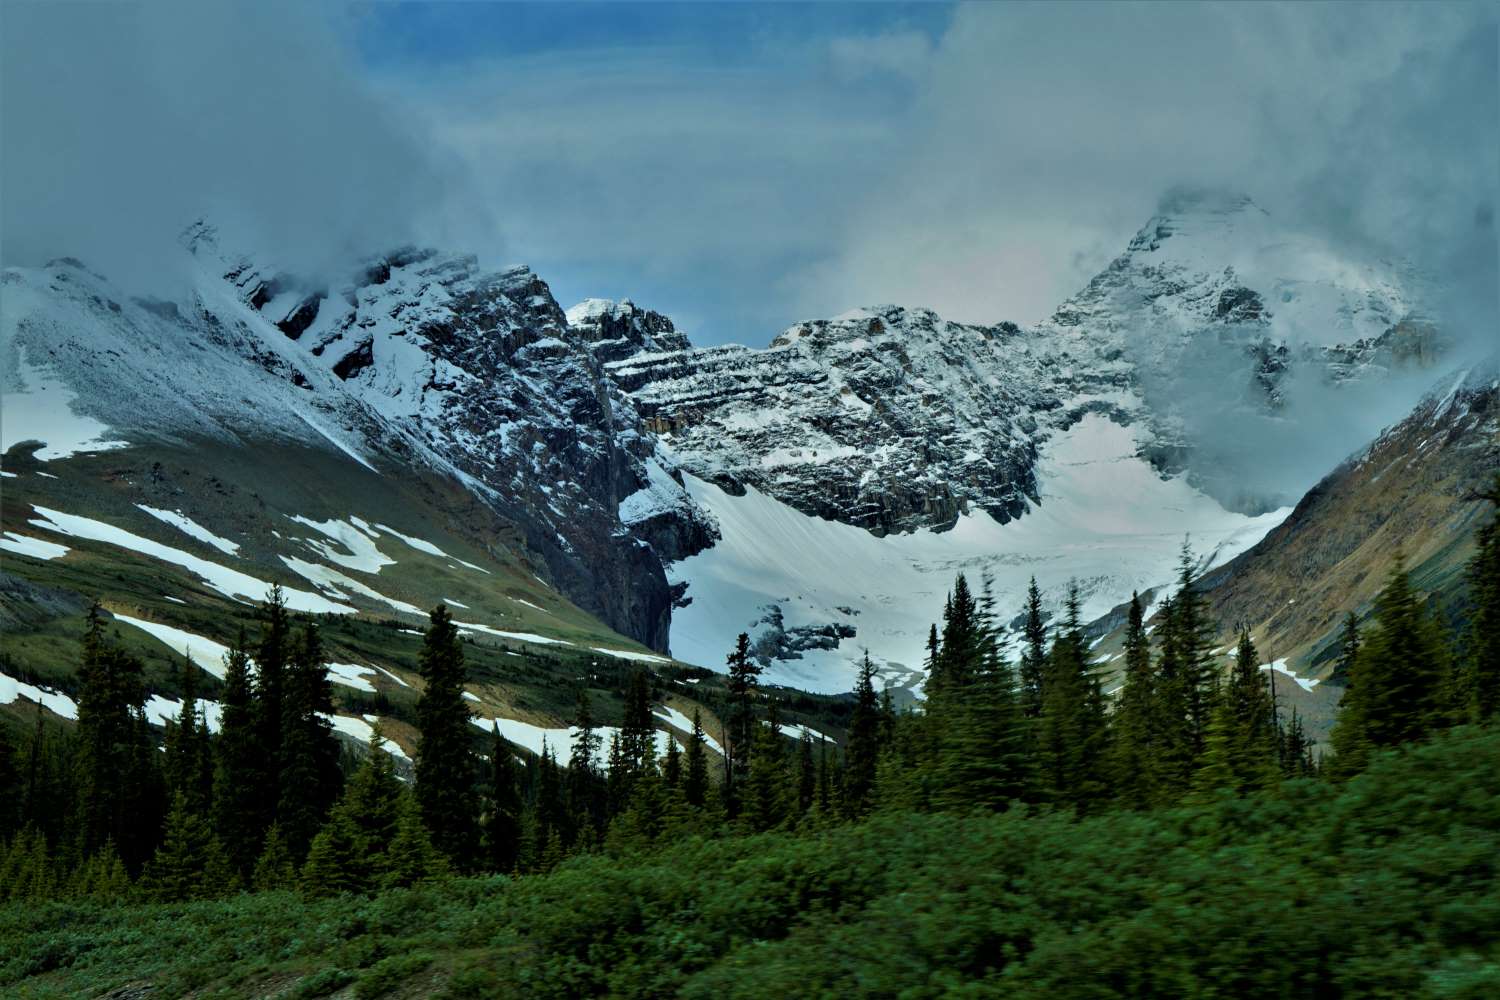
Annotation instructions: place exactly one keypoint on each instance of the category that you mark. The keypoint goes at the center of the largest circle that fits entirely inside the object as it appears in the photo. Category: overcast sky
(743, 167)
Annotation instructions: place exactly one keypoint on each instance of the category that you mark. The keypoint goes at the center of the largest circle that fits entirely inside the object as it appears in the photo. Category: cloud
(901, 53)
(125, 122)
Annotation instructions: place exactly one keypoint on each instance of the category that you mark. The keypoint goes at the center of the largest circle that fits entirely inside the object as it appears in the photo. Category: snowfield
(1106, 520)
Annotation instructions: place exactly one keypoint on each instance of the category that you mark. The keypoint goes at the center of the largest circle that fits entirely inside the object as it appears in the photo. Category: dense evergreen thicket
(1010, 769)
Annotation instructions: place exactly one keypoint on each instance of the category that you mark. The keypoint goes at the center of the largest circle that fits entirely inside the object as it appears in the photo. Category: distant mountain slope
(1413, 491)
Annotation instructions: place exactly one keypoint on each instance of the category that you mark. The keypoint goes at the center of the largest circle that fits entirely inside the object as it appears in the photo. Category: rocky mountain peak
(617, 330)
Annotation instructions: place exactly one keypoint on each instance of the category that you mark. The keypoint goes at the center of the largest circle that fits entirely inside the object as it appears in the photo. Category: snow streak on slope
(1106, 520)
(36, 407)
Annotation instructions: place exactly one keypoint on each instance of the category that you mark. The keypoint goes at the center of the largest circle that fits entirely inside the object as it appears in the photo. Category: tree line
(270, 802)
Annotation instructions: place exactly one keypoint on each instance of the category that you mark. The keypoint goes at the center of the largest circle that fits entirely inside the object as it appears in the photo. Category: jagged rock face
(889, 419)
(616, 330)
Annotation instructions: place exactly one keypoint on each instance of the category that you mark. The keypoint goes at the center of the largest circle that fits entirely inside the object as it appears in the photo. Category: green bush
(388, 973)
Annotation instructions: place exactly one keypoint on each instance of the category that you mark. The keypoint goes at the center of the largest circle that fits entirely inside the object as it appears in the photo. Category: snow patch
(37, 548)
(188, 526)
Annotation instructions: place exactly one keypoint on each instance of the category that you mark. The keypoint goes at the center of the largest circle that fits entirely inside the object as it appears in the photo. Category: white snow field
(188, 526)
(673, 717)
(1106, 520)
(36, 548)
(204, 652)
(559, 740)
(12, 689)
(35, 406)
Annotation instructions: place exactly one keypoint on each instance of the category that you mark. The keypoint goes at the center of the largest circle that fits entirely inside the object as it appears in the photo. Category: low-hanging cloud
(124, 122)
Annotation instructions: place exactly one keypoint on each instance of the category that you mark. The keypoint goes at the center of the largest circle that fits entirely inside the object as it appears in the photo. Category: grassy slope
(1384, 888)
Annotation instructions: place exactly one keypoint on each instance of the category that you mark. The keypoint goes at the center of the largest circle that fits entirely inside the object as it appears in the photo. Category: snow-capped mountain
(819, 493)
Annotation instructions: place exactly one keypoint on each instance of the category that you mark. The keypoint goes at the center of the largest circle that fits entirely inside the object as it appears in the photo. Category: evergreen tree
(309, 777)
(190, 863)
(1073, 742)
(445, 768)
(1483, 667)
(807, 775)
(271, 658)
(862, 751)
(102, 878)
(274, 870)
(636, 731)
(238, 765)
(764, 806)
(1137, 723)
(188, 759)
(739, 736)
(335, 864)
(1034, 656)
(11, 787)
(1296, 751)
(26, 871)
(1398, 684)
(1194, 636)
(113, 773)
(671, 768)
(1350, 740)
(1251, 735)
(585, 784)
(502, 828)
(551, 811)
(695, 780)
(410, 857)
(373, 802)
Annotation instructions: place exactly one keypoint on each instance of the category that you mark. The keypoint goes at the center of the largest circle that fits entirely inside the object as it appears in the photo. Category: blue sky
(741, 166)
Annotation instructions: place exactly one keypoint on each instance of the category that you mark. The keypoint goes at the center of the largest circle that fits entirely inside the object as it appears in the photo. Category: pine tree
(335, 864)
(739, 736)
(27, 872)
(114, 797)
(1073, 744)
(190, 863)
(102, 878)
(410, 857)
(1194, 634)
(1252, 734)
(372, 802)
(310, 778)
(671, 768)
(1350, 740)
(238, 766)
(764, 807)
(274, 870)
(502, 828)
(1483, 667)
(807, 775)
(862, 752)
(1034, 657)
(636, 731)
(551, 811)
(271, 658)
(445, 767)
(1137, 738)
(585, 784)
(188, 758)
(1398, 684)
(695, 780)
(1296, 751)
(11, 787)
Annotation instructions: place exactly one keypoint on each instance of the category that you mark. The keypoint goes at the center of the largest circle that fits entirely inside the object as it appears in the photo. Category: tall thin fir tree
(1195, 640)
(1137, 718)
(585, 783)
(188, 752)
(1252, 736)
(310, 779)
(695, 778)
(1483, 640)
(445, 769)
(862, 752)
(502, 826)
(271, 658)
(237, 808)
(1034, 653)
(744, 671)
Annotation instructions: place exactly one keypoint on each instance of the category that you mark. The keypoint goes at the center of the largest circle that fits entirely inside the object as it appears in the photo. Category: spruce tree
(190, 863)
(695, 778)
(502, 827)
(188, 759)
(310, 778)
(585, 784)
(1296, 750)
(1483, 666)
(764, 806)
(335, 864)
(1137, 724)
(636, 731)
(807, 775)
(238, 765)
(1073, 744)
(1247, 701)
(11, 787)
(445, 767)
(671, 768)
(1350, 739)
(739, 736)
(1398, 683)
(410, 857)
(274, 870)
(373, 801)
(862, 751)
(271, 658)
(1194, 634)
(114, 758)
(1034, 655)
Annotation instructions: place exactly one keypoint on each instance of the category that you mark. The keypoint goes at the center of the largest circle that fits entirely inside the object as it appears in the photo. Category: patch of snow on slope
(1305, 683)
(342, 586)
(361, 553)
(53, 701)
(559, 741)
(420, 544)
(34, 406)
(518, 636)
(337, 443)
(675, 718)
(204, 652)
(1106, 520)
(360, 729)
(187, 525)
(352, 675)
(37, 548)
(162, 710)
(625, 654)
(229, 582)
